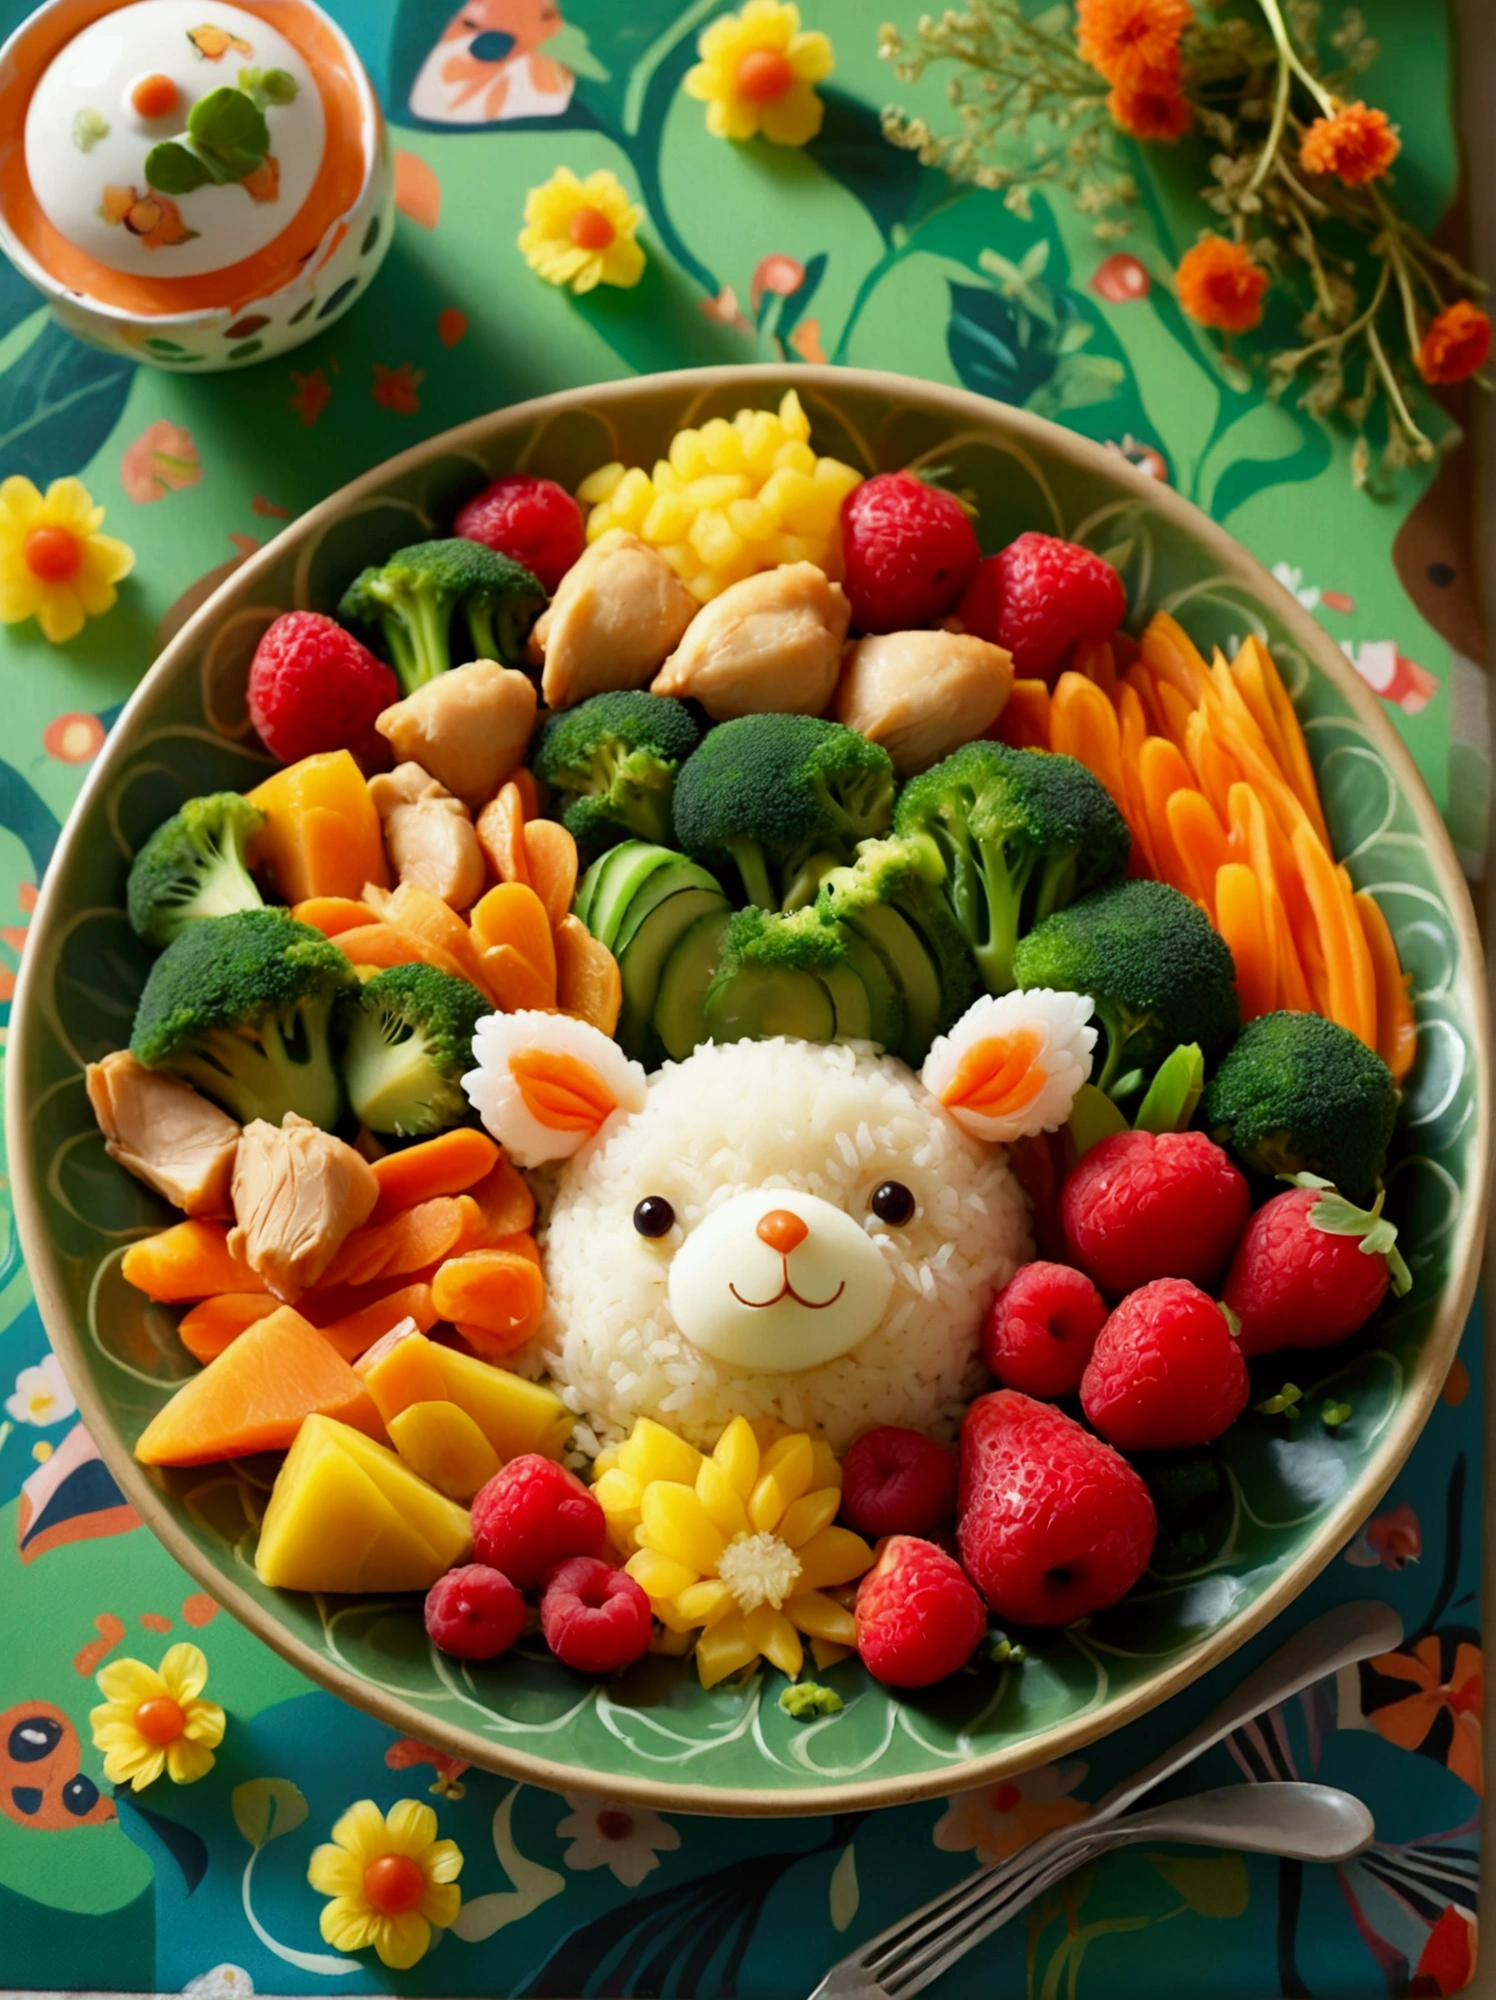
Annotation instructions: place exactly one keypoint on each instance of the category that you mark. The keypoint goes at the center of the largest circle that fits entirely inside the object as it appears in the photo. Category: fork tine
(881, 1952)
(939, 1954)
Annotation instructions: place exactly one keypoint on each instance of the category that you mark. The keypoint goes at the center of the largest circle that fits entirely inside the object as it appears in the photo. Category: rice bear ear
(1012, 1064)
(546, 1084)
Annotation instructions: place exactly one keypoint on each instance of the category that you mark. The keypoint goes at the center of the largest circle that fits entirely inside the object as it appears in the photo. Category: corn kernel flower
(581, 233)
(756, 74)
(153, 1719)
(55, 566)
(390, 1881)
(740, 1544)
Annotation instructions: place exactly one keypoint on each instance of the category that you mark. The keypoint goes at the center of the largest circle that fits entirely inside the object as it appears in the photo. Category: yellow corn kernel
(832, 472)
(681, 558)
(724, 1649)
(808, 1515)
(723, 446)
(657, 1575)
(786, 489)
(745, 563)
(605, 1461)
(600, 520)
(673, 1644)
(762, 434)
(813, 509)
(721, 1499)
(794, 456)
(631, 498)
(602, 484)
(821, 1617)
(783, 548)
(715, 489)
(704, 585)
(665, 477)
(705, 1602)
(713, 538)
(674, 1522)
(832, 1557)
(617, 1492)
(651, 1452)
(825, 1466)
(737, 1453)
(773, 1635)
(751, 519)
(792, 416)
(669, 519)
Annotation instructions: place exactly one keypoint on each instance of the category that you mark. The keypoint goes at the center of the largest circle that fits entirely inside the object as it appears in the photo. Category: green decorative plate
(1245, 1527)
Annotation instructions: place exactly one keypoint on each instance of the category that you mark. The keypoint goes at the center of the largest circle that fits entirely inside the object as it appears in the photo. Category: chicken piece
(161, 1131)
(429, 835)
(923, 694)
(619, 612)
(469, 728)
(770, 643)
(298, 1192)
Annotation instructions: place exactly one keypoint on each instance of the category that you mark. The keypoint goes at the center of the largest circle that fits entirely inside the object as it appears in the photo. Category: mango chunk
(400, 1370)
(445, 1446)
(321, 835)
(440, 1522)
(515, 1416)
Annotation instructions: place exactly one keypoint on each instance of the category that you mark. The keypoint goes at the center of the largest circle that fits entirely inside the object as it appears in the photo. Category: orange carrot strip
(506, 1201)
(1397, 1031)
(1176, 710)
(1250, 826)
(1242, 923)
(1297, 765)
(1199, 841)
(356, 1332)
(1094, 659)
(1215, 769)
(1083, 725)
(530, 789)
(191, 1260)
(206, 1329)
(551, 862)
(588, 982)
(494, 1297)
(1024, 722)
(427, 918)
(512, 933)
(407, 1242)
(1163, 771)
(1145, 686)
(560, 1091)
(1246, 672)
(333, 914)
(501, 834)
(381, 945)
(1133, 720)
(1363, 968)
(1340, 996)
(451, 1163)
(520, 1244)
(1173, 655)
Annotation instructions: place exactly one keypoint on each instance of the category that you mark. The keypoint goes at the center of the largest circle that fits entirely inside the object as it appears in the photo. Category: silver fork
(913, 1952)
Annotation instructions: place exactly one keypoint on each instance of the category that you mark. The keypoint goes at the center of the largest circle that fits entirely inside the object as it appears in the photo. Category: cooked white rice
(833, 1121)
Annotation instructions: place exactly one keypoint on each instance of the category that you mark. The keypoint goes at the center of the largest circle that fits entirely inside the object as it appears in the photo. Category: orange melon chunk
(191, 1260)
(206, 1329)
(321, 835)
(400, 1370)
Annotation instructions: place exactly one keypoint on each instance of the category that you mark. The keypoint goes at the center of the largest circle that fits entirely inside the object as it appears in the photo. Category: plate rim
(764, 1802)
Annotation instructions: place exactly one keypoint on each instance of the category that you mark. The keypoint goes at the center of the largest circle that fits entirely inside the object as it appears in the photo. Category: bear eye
(892, 1202)
(654, 1216)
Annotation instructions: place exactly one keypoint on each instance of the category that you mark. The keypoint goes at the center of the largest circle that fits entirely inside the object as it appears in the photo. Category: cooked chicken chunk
(429, 835)
(620, 610)
(161, 1131)
(770, 643)
(468, 728)
(298, 1192)
(923, 694)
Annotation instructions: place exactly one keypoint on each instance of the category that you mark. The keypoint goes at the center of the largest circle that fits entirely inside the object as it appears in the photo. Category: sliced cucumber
(903, 951)
(888, 1014)
(753, 1003)
(849, 1000)
(658, 888)
(642, 957)
(616, 878)
(679, 1019)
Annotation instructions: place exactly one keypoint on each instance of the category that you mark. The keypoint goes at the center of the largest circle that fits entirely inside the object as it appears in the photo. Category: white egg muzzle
(778, 1280)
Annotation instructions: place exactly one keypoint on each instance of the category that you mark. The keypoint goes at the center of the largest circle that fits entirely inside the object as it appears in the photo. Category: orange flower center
(155, 95)
(394, 1885)
(764, 74)
(160, 1720)
(53, 555)
(590, 229)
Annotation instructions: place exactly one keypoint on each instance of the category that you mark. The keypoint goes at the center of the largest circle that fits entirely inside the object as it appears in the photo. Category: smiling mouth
(787, 1291)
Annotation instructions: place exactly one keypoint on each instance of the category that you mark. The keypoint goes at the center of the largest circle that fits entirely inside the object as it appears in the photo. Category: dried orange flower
(1131, 40)
(1456, 343)
(1356, 145)
(1156, 108)
(1219, 285)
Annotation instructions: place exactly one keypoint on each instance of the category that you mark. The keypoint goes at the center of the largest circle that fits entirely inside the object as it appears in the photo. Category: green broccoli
(408, 1040)
(771, 974)
(409, 602)
(1156, 969)
(782, 798)
(194, 866)
(612, 761)
(241, 1007)
(1022, 833)
(1299, 1094)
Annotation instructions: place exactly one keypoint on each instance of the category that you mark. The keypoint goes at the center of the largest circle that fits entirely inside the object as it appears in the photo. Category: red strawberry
(897, 1482)
(909, 550)
(918, 1618)
(531, 1516)
(1052, 1523)
(313, 687)
(532, 520)
(1144, 1205)
(1037, 597)
(1040, 1329)
(1311, 1269)
(1166, 1371)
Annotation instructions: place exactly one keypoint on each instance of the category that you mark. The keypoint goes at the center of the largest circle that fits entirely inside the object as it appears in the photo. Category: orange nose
(782, 1230)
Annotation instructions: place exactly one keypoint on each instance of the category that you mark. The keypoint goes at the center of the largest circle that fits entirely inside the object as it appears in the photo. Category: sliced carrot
(191, 1260)
(561, 1091)
(1024, 722)
(530, 789)
(1083, 724)
(1200, 842)
(451, 1163)
(1172, 654)
(1134, 725)
(1242, 922)
(1176, 710)
(1163, 771)
(406, 1243)
(1246, 672)
(1298, 768)
(427, 918)
(1397, 1031)
(512, 933)
(1252, 831)
(1363, 969)
(521, 1244)
(501, 834)
(333, 914)
(381, 945)
(506, 1201)
(1340, 996)
(1211, 760)
(588, 982)
(206, 1329)
(356, 1332)
(1094, 658)
(551, 863)
(494, 1297)
(1140, 679)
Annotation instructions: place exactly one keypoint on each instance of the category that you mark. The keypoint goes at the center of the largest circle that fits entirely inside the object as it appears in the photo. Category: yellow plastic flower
(740, 1545)
(756, 73)
(154, 1719)
(581, 233)
(389, 1879)
(55, 566)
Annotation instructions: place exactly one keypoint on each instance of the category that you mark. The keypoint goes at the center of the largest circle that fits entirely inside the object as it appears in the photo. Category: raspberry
(313, 687)
(1040, 1329)
(918, 1618)
(594, 1618)
(897, 1482)
(1292, 1285)
(1037, 597)
(1144, 1205)
(1052, 1523)
(909, 549)
(533, 1515)
(1166, 1371)
(474, 1613)
(534, 521)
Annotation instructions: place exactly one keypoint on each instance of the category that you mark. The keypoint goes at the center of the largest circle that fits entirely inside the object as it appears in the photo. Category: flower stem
(1289, 56)
(1421, 444)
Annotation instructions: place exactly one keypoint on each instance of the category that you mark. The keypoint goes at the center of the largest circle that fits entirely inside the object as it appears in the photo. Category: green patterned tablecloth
(848, 251)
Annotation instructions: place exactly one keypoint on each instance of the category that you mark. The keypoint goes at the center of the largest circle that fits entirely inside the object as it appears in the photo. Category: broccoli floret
(194, 866)
(241, 1007)
(409, 602)
(1022, 833)
(1157, 971)
(782, 798)
(904, 875)
(612, 761)
(1299, 1094)
(409, 1038)
(769, 976)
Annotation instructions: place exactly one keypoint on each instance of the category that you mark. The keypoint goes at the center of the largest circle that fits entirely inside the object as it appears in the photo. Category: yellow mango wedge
(515, 1416)
(440, 1522)
(445, 1446)
(328, 1527)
